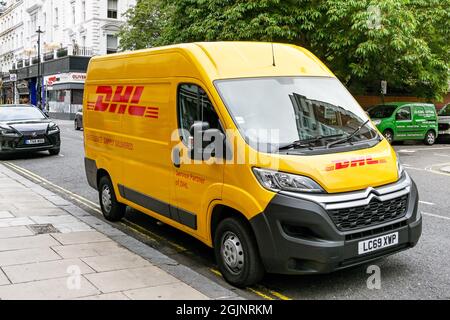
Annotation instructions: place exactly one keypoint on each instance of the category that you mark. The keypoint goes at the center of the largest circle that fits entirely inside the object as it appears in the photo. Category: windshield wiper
(351, 135)
(305, 143)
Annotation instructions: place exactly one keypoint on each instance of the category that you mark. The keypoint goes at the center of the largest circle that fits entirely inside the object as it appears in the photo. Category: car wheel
(112, 209)
(76, 125)
(237, 253)
(54, 152)
(389, 136)
(430, 138)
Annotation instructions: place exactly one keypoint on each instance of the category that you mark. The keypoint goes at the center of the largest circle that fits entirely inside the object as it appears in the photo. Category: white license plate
(378, 243)
(34, 141)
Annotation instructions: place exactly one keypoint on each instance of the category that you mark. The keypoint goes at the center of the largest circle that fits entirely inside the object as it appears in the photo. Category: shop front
(64, 94)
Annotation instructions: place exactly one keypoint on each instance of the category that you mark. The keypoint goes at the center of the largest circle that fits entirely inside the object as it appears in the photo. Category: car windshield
(20, 113)
(381, 111)
(445, 112)
(282, 110)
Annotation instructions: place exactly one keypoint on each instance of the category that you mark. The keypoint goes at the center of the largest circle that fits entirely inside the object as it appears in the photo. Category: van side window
(403, 114)
(194, 105)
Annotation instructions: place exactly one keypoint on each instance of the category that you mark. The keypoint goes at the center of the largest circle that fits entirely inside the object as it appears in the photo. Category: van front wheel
(111, 209)
(430, 138)
(389, 136)
(237, 253)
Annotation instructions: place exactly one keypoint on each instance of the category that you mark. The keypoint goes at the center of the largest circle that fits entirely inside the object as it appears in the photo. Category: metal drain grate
(43, 228)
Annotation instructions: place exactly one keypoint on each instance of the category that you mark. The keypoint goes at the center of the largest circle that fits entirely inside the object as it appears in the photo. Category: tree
(362, 41)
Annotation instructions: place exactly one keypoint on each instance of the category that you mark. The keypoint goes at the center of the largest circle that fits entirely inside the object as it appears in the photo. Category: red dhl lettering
(124, 99)
(355, 162)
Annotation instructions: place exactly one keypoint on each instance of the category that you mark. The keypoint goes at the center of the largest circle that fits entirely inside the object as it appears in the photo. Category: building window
(112, 9)
(33, 23)
(83, 8)
(56, 17)
(111, 44)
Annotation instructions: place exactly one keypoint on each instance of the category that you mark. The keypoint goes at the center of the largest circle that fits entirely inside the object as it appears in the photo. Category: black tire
(77, 127)
(54, 152)
(430, 138)
(113, 210)
(389, 135)
(250, 269)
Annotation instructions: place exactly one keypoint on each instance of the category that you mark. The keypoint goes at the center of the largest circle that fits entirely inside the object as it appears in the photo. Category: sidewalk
(52, 249)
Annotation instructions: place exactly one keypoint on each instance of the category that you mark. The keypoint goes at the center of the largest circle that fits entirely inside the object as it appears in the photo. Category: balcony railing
(57, 53)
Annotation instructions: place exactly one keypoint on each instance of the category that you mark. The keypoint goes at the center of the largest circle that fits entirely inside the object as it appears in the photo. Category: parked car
(78, 122)
(401, 121)
(25, 128)
(444, 121)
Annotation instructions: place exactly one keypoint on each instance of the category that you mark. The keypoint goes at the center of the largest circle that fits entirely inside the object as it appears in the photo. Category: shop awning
(67, 86)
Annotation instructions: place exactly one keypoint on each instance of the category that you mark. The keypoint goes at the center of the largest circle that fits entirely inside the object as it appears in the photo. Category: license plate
(34, 141)
(378, 243)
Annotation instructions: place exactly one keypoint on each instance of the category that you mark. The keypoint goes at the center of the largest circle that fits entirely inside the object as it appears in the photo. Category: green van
(400, 121)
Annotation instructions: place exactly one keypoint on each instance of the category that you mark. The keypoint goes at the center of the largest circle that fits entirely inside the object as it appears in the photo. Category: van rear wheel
(430, 138)
(237, 253)
(112, 209)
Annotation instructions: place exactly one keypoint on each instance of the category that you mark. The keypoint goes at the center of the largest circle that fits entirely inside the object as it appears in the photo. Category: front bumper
(17, 144)
(297, 236)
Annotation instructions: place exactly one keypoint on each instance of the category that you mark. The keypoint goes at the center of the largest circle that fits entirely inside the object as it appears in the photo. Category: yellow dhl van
(255, 149)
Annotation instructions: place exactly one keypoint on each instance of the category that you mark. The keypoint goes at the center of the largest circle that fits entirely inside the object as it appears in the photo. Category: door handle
(176, 157)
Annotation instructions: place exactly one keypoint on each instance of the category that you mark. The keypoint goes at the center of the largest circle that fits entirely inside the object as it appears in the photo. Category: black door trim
(165, 209)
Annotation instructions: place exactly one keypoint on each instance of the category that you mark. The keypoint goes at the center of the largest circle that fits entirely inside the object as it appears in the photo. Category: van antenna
(273, 56)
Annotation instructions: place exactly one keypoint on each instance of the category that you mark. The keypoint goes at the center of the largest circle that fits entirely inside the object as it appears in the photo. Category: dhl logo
(122, 100)
(356, 162)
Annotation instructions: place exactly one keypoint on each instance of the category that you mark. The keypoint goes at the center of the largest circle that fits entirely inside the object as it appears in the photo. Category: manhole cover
(43, 228)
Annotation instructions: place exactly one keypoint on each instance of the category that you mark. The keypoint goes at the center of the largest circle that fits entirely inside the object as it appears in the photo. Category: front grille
(444, 126)
(376, 212)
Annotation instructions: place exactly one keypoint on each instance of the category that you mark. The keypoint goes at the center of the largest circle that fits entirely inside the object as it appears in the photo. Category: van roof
(235, 59)
(402, 103)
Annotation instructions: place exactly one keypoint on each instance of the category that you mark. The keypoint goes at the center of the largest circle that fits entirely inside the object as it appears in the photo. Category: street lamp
(39, 90)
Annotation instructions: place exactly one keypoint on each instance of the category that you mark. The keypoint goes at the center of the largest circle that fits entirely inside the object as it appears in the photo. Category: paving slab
(6, 214)
(115, 262)
(172, 291)
(3, 279)
(106, 296)
(47, 290)
(42, 240)
(80, 237)
(92, 249)
(46, 270)
(15, 257)
(121, 280)
(12, 232)
(12, 222)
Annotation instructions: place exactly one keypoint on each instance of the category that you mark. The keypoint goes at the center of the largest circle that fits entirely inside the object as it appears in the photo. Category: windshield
(20, 113)
(281, 110)
(445, 112)
(381, 111)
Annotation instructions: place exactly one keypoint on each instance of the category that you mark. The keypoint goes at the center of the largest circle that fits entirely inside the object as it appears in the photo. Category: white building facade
(72, 32)
(88, 25)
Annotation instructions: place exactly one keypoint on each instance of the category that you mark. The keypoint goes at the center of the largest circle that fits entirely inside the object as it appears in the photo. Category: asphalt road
(419, 273)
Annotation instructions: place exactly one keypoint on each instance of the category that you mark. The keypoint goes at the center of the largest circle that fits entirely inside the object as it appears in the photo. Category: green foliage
(363, 41)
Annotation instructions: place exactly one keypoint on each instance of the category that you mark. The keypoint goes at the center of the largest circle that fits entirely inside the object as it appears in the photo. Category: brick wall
(367, 101)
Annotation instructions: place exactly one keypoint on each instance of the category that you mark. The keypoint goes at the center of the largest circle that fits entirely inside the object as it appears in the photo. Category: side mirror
(205, 142)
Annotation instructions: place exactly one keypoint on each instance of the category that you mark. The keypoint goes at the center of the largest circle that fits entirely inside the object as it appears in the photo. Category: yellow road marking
(260, 294)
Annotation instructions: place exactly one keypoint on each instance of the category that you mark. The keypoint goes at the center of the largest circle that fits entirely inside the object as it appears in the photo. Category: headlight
(9, 132)
(282, 181)
(52, 128)
(376, 121)
(400, 170)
